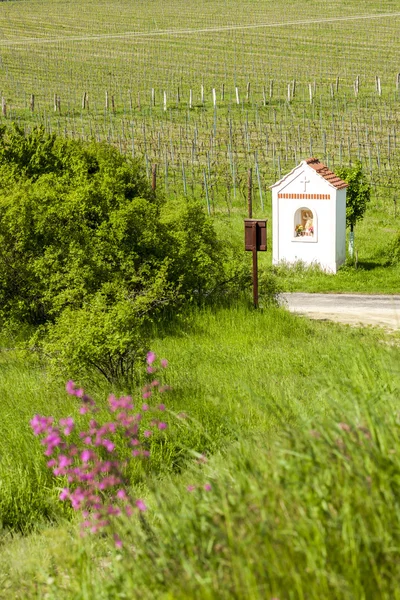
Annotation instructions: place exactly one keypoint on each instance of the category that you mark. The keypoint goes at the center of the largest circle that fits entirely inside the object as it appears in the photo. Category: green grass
(305, 501)
(228, 367)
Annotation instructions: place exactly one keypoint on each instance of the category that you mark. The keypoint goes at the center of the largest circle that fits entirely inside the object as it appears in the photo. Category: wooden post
(3, 106)
(190, 98)
(85, 101)
(154, 178)
(223, 92)
(214, 94)
(55, 103)
(59, 105)
(237, 95)
(113, 103)
(165, 100)
(250, 193)
(107, 105)
(255, 265)
(32, 103)
(248, 92)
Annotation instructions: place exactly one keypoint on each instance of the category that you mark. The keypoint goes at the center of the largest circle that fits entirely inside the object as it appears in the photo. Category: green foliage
(82, 233)
(395, 250)
(358, 193)
(308, 509)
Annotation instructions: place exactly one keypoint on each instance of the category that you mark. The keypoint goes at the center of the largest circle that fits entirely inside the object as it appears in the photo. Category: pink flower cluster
(89, 459)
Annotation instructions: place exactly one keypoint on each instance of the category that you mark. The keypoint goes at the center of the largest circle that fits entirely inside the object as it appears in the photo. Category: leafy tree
(358, 195)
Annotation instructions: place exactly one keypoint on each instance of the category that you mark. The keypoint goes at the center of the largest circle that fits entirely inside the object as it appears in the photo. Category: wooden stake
(250, 193)
(32, 103)
(154, 178)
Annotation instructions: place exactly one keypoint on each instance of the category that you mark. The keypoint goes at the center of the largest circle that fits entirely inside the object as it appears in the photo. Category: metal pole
(255, 266)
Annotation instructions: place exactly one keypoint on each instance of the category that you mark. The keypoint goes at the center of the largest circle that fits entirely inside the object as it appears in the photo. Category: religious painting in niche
(304, 223)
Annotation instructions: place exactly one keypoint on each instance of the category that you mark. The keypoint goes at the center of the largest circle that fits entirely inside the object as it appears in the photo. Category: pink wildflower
(64, 494)
(151, 357)
(164, 363)
(141, 505)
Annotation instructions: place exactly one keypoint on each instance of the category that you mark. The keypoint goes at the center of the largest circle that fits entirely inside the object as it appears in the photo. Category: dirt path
(354, 309)
(190, 31)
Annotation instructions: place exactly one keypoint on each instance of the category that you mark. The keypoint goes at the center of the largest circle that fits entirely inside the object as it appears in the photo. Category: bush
(90, 253)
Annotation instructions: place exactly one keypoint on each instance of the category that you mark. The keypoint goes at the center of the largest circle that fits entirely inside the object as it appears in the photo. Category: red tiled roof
(323, 170)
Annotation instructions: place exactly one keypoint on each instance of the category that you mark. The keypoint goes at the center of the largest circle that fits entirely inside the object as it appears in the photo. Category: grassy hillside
(253, 385)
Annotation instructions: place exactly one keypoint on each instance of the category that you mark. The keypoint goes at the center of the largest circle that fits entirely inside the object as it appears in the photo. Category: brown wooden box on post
(261, 234)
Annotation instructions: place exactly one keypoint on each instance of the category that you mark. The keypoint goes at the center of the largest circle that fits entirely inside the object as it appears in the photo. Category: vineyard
(207, 94)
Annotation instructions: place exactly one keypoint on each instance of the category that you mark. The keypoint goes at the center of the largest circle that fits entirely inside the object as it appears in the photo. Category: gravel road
(354, 309)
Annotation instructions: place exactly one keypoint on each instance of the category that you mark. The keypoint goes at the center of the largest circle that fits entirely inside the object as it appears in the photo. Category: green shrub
(88, 249)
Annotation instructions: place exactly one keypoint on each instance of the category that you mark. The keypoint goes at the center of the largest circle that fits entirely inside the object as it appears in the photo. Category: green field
(253, 385)
(305, 78)
(127, 50)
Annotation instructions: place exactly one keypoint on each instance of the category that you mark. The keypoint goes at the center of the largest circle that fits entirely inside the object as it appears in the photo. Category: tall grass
(311, 511)
(228, 367)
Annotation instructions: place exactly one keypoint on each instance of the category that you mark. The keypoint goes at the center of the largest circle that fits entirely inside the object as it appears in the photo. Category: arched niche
(305, 224)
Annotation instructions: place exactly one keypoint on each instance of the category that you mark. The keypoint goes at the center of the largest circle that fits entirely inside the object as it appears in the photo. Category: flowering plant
(298, 230)
(90, 460)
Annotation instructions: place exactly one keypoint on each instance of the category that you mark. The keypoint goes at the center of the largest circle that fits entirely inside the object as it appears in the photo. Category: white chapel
(309, 217)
